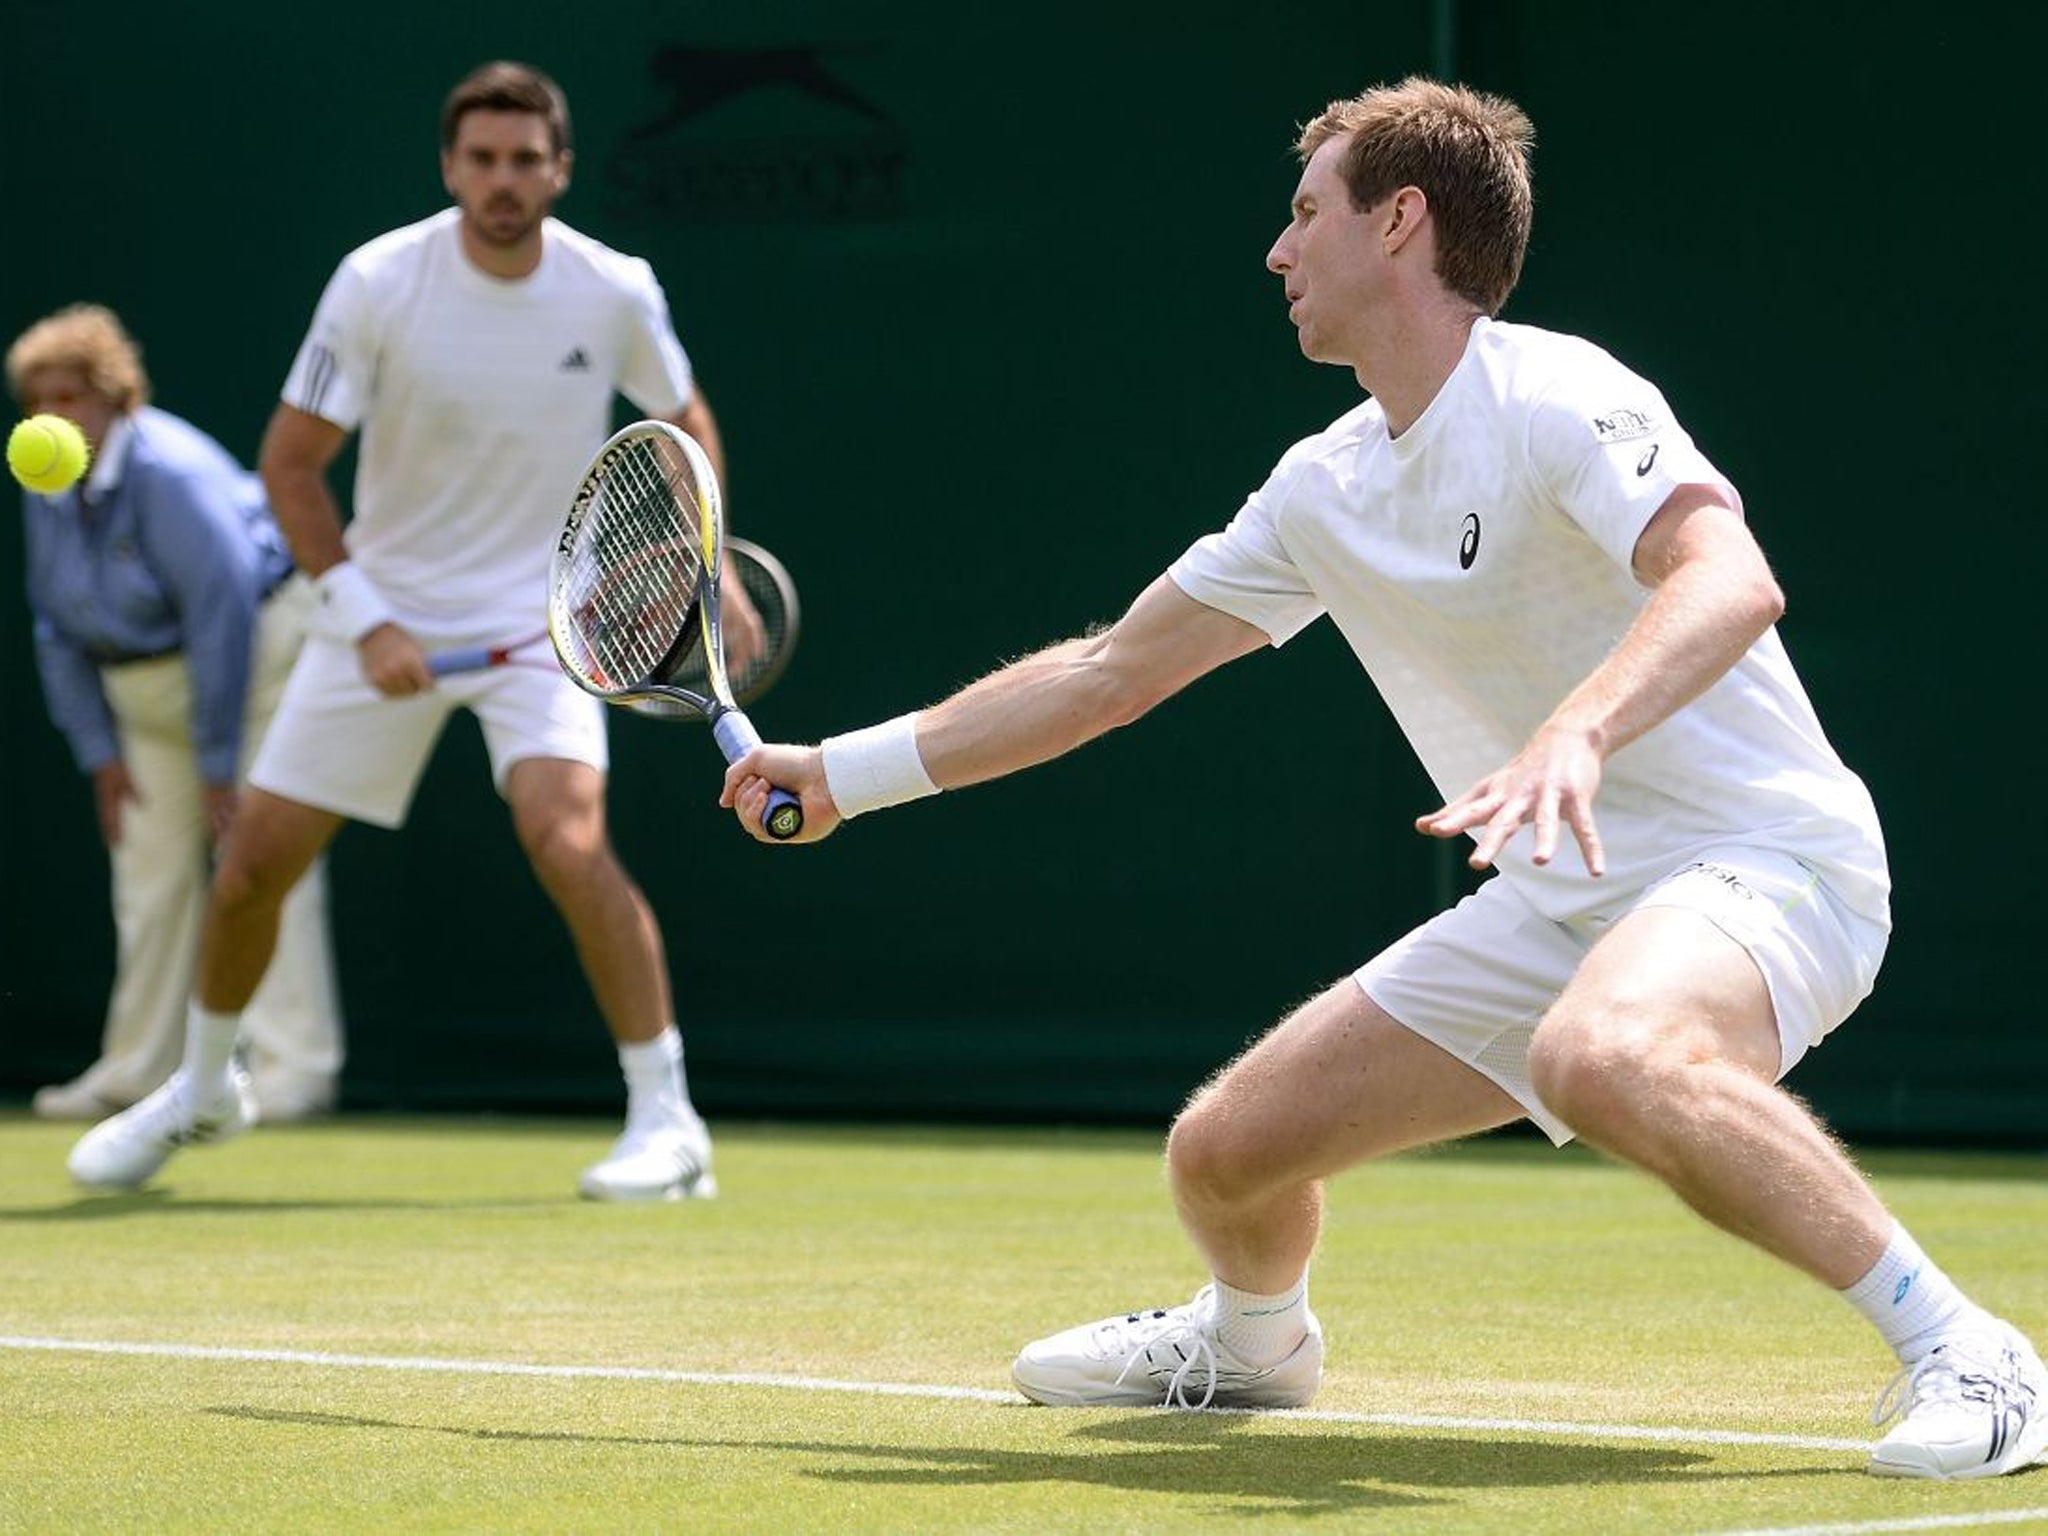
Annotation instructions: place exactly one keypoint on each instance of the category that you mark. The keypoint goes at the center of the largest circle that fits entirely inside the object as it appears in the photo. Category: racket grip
(736, 737)
(472, 658)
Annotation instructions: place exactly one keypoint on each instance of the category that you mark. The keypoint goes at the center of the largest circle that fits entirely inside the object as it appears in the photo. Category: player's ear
(1405, 211)
(448, 173)
(564, 163)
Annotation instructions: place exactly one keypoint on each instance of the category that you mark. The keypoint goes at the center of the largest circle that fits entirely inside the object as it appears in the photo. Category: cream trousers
(160, 870)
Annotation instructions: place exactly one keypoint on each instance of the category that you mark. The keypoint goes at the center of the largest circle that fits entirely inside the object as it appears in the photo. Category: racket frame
(730, 727)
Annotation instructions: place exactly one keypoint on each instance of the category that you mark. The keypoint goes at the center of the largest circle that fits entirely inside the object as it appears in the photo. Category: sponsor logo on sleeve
(1623, 424)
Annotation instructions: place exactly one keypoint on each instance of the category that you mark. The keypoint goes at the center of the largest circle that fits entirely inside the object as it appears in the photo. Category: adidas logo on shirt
(578, 361)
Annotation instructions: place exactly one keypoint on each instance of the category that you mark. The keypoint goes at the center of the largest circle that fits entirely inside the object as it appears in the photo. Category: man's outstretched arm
(1030, 711)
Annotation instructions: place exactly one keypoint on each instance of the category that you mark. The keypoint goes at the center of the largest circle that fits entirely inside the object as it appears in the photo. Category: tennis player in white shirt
(1558, 597)
(478, 352)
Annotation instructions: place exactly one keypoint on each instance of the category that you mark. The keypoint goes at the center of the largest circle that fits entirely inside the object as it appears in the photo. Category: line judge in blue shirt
(167, 616)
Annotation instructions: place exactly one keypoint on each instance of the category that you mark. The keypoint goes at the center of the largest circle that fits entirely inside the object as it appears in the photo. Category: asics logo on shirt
(1643, 464)
(578, 361)
(1468, 546)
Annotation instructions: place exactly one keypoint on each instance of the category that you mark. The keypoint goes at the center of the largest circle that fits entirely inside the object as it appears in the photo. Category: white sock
(1261, 1330)
(1909, 1300)
(654, 1076)
(209, 1045)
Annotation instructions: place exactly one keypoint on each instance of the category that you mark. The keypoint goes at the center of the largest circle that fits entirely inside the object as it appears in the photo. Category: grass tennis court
(374, 1323)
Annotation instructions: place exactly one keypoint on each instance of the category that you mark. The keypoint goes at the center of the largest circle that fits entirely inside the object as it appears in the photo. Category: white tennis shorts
(1477, 978)
(338, 744)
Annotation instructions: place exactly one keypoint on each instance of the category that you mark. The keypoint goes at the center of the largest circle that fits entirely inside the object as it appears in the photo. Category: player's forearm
(306, 515)
(1035, 709)
(1030, 712)
(1697, 625)
(697, 420)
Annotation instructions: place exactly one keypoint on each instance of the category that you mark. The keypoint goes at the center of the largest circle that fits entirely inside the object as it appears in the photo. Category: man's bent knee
(566, 847)
(1212, 1156)
(270, 844)
(1593, 1071)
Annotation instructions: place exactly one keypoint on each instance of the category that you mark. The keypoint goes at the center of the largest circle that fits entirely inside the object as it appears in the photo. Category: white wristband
(349, 606)
(866, 770)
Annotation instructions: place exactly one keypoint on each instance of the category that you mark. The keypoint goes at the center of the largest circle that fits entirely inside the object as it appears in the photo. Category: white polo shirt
(1480, 567)
(480, 401)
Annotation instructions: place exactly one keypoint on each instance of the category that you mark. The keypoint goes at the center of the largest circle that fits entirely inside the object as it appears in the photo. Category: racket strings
(771, 604)
(633, 578)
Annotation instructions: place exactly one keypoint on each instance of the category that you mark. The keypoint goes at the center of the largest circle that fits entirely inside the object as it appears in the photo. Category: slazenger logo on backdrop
(1623, 423)
(764, 134)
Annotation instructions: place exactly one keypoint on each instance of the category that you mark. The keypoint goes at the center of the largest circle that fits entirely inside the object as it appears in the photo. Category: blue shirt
(168, 545)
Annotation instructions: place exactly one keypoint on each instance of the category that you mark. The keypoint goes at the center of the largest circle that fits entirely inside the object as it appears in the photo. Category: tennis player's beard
(488, 234)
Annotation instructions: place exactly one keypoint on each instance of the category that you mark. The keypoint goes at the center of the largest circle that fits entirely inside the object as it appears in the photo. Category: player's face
(504, 175)
(1327, 257)
(66, 391)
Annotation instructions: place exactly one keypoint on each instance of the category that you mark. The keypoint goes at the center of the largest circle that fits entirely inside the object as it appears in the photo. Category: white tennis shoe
(124, 1151)
(1169, 1357)
(1976, 1405)
(655, 1159)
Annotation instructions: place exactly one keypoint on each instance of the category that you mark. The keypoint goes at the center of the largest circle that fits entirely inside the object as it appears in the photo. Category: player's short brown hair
(90, 338)
(1469, 154)
(503, 86)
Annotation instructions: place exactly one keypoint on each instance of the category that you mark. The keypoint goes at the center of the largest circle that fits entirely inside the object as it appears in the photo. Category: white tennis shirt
(480, 401)
(1480, 567)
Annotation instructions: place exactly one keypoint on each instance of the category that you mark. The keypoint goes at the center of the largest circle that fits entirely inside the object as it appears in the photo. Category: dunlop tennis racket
(633, 590)
(769, 588)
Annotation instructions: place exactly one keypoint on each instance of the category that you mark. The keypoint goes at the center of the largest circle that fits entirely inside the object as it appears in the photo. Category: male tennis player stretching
(478, 351)
(1557, 595)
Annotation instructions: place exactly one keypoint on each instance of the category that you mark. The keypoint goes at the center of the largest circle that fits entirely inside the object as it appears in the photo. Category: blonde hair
(90, 338)
(1467, 151)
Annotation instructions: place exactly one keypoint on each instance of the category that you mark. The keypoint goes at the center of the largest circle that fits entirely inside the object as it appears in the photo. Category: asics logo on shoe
(2010, 1399)
(2008, 1422)
(192, 1135)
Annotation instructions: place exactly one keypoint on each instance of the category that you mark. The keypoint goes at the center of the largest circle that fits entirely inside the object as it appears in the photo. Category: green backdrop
(977, 293)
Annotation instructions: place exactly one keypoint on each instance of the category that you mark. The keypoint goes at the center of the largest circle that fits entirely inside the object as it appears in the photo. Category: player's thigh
(529, 715)
(1337, 1082)
(549, 757)
(1475, 980)
(337, 744)
(1746, 955)
(1662, 988)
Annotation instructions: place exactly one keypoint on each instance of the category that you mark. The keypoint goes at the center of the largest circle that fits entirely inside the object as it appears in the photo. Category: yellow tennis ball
(47, 453)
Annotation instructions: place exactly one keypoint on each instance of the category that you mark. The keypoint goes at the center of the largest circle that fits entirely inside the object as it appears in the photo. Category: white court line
(1916, 1523)
(1666, 1435)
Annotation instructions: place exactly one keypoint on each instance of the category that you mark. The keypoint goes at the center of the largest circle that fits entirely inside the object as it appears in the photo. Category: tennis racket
(768, 586)
(633, 590)
(522, 652)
